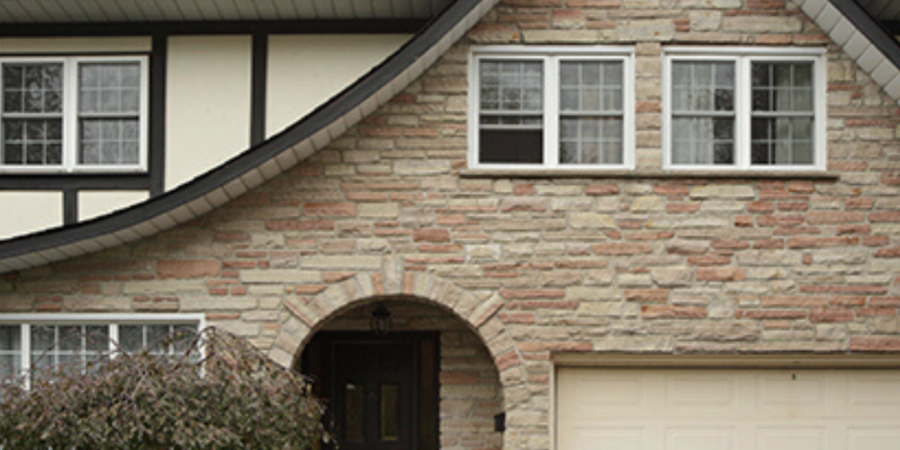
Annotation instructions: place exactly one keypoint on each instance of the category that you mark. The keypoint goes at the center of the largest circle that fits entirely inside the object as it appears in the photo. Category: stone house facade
(522, 273)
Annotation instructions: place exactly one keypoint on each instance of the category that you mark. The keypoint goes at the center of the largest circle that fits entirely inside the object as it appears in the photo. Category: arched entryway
(429, 383)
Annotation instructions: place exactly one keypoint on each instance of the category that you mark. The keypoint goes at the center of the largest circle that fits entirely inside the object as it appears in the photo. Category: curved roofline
(257, 164)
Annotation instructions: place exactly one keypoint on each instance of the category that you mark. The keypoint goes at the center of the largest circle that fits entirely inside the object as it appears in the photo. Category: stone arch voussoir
(303, 316)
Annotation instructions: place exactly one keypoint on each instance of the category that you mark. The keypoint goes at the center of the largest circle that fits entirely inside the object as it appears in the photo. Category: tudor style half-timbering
(636, 224)
(109, 104)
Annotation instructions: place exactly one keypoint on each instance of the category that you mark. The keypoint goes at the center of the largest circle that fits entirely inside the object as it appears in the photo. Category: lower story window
(72, 343)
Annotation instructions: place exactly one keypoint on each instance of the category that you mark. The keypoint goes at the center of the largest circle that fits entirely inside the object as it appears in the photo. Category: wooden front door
(381, 392)
(374, 395)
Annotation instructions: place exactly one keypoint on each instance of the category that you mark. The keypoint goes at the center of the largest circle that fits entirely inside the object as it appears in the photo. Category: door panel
(374, 395)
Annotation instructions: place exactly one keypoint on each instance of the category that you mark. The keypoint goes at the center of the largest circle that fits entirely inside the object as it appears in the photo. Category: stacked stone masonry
(544, 265)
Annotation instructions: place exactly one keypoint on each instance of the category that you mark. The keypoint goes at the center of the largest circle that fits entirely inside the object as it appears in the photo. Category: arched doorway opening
(428, 384)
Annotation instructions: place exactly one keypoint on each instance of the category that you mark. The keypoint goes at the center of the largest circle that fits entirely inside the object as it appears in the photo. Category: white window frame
(743, 57)
(71, 116)
(551, 57)
(113, 321)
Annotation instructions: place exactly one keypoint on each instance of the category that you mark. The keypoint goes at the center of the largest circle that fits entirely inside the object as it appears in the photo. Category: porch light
(380, 323)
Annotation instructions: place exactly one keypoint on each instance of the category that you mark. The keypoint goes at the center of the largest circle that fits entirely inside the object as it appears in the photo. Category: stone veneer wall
(470, 393)
(643, 264)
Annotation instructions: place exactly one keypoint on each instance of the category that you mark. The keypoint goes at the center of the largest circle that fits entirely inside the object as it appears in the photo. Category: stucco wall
(637, 263)
(306, 70)
(208, 83)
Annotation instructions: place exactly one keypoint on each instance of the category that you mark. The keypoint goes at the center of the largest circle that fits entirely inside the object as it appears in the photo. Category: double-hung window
(559, 108)
(73, 114)
(740, 108)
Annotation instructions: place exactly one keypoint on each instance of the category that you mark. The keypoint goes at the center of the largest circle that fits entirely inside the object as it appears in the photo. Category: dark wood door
(374, 394)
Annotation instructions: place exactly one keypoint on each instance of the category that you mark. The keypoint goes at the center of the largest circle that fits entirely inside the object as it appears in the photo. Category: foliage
(231, 397)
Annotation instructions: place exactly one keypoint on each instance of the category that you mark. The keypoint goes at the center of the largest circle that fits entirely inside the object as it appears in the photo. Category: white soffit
(42, 11)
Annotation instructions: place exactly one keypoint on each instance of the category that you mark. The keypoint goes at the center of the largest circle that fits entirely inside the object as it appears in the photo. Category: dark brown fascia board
(875, 31)
(334, 109)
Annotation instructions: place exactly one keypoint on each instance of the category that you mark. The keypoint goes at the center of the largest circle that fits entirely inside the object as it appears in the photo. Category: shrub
(220, 393)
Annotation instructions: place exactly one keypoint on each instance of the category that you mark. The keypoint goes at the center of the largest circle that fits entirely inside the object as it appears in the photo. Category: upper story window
(73, 114)
(559, 108)
(744, 109)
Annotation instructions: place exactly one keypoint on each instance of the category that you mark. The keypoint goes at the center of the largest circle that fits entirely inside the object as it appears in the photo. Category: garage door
(615, 409)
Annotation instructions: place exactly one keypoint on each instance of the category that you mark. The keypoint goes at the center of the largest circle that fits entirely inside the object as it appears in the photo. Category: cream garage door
(616, 409)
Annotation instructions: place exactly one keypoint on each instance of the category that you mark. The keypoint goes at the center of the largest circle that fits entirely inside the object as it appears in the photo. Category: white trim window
(744, 108)
(46, 341)
(556, 107)
(73, 114)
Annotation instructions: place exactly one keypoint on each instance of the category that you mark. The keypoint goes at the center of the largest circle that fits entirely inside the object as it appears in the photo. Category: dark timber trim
(55, 182)
(893, 26)
(878, 34)
(157, 139)
(258, 94)
(70, 206)
(337, 26)
(338, 106)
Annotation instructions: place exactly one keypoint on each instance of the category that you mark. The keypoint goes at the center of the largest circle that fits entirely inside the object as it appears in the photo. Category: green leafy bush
(221, 393)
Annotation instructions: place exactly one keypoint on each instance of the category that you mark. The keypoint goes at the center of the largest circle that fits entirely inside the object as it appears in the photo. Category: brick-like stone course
(543, 265)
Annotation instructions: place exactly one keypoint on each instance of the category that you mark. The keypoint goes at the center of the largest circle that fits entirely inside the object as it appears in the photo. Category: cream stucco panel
(305, 71)
(208, 103)
(29, 211)
(97, 203)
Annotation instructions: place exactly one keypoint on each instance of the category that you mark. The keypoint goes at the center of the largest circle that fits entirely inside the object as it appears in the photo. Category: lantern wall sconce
(380, 322)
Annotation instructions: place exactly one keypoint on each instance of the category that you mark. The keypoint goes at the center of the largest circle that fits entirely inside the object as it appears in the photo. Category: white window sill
(642, 174)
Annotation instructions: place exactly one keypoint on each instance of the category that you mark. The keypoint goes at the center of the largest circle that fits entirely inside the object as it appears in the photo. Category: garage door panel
(791, 438)
(865, 438)
(791, 393)
(707, 438)
(606, 393)
(877, 392)
(613, 438)
(700, 393)
(600, 409)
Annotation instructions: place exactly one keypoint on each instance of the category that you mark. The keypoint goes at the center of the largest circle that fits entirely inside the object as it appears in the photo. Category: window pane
(782, 86)
(784, 141)
(67, 346)
(355, 395)
(156, 338)
(109, 88)
(10, 350)
(511, 118)
(591, 86)
(32, 141)
(511, 85)
(131, 337)
(702, 86)
(511, 146)
(703, 141)
(109, 142)
(592, 140)
(390, 412)
(32, 88)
